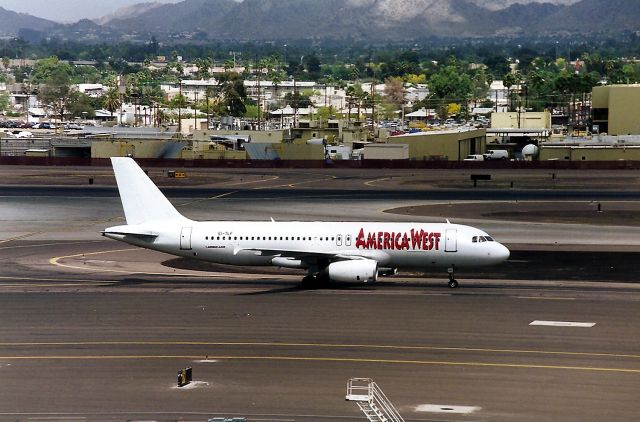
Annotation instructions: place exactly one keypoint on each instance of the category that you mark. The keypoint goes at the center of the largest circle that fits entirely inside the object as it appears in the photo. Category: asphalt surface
(96, 330)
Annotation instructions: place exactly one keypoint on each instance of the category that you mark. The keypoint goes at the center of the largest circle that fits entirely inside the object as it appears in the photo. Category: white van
(496, 154)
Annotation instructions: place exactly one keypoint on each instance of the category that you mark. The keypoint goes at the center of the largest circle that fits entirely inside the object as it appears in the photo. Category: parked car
(24, 134)
(44, 125)
(474, 157)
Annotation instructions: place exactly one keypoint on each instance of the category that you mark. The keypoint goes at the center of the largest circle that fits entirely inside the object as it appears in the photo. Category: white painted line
(206, 361)
(192, 385)
(443, 408)
(563, 324)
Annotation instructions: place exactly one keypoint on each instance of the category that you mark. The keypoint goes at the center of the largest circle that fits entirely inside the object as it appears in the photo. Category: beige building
(453, 145)
(139, 148)
(386, 152)
(522, 120)
(615, 109)
(588, 152)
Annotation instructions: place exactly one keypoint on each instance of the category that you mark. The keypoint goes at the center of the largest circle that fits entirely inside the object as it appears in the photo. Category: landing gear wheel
(453, 283)
(309, 281)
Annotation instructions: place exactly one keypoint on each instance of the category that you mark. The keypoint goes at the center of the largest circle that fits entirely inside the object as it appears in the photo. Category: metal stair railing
(372, 401)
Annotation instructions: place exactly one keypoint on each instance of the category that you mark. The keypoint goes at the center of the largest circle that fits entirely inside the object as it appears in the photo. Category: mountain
(11, 23)
(595, 16)
(379, 19)
(494, 5)
(128, 12)
(357, 20)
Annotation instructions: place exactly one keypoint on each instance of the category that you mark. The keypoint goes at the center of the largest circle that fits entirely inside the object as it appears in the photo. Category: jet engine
(364, 270)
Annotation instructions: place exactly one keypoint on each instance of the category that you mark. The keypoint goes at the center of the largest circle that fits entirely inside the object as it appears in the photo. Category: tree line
(540, 74)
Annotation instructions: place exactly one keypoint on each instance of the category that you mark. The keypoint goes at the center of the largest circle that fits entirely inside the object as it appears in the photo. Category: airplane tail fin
(141, 200)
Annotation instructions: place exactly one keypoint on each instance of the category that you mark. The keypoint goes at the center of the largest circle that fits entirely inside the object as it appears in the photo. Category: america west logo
(413, 240)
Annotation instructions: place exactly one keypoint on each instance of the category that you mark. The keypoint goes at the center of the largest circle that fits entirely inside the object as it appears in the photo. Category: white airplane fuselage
(341, 251)
(396, 245)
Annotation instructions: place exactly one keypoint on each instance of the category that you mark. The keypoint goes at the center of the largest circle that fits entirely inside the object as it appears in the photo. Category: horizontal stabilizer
(134, 231)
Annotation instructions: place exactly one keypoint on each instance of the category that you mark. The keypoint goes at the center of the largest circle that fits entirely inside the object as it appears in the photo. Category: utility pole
(259, 67)
(180, 107)
(195, 112)
(373, 100)
(295, 102)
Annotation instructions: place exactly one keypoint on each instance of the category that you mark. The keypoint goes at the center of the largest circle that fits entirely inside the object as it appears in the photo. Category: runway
(95, 330)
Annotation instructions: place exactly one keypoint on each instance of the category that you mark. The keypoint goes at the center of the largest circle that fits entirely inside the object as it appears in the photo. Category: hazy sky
(70, 10)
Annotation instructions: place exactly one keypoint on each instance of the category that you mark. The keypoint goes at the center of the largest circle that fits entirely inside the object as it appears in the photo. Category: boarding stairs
(372, 401)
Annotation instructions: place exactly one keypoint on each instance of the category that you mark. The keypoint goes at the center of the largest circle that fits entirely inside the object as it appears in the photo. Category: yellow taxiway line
(319, 346)
(310, 359)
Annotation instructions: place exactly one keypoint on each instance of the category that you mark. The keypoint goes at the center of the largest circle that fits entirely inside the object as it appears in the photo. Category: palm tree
(112, 101)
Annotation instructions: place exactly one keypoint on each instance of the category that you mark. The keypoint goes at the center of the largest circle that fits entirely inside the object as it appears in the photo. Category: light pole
(180, 108)
(195, 111)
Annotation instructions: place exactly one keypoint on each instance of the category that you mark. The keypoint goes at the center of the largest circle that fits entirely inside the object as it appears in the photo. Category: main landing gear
(313, 281)
(453, 283)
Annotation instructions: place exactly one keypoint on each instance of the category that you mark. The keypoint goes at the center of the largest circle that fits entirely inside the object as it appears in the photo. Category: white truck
(496, 154)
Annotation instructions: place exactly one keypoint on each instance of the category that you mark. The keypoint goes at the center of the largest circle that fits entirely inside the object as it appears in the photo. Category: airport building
(448, 145)
(615, 109)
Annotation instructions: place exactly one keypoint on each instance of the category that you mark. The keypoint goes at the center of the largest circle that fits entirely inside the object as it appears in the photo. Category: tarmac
(96, 330)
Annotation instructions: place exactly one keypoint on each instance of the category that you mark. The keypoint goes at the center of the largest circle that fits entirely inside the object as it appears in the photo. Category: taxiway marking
(371, 182)
(23, 236)
(56, 261)
(253, 181)
(563, 324)
(317, 345)
(319, 359)
(444, 408)
(222, 195)
(291, 185)
(40, 245)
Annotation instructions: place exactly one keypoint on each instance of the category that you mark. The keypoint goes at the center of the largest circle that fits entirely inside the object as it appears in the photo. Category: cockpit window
(480, 239)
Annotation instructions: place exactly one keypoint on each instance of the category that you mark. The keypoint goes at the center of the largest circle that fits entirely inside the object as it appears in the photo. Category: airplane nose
(503, 253)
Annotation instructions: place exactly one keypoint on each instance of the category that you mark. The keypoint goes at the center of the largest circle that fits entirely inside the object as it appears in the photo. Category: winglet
(448, 222)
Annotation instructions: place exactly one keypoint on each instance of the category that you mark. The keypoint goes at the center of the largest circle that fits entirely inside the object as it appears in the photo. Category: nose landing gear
(453, 283)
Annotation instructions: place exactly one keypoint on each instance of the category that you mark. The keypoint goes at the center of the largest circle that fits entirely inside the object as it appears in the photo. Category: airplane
(328, 251)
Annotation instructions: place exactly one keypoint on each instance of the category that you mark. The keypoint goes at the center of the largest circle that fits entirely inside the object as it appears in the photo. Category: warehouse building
(615, 109)
(452, 145)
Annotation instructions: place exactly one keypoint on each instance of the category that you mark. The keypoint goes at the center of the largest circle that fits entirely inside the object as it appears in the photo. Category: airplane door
(185, 238)
(339, 240)
(347, 240)
(451, 240)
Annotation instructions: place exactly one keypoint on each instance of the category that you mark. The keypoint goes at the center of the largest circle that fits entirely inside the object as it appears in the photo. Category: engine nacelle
(288, 262)
(364, 270)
